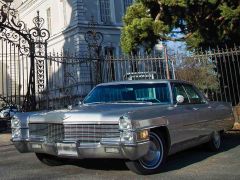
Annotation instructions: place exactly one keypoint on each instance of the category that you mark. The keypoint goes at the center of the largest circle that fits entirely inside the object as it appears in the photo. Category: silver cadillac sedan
(141, 122)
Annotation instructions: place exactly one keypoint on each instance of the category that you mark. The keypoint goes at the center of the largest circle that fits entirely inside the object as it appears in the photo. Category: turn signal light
(143, 135)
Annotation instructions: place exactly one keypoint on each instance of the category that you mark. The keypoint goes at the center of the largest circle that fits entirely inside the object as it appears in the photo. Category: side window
(178, 89)
(193, 95)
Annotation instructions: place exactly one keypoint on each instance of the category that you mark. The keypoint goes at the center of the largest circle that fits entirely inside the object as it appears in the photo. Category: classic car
(141, 122)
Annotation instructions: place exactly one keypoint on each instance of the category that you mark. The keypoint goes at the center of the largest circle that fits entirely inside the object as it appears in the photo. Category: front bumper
(112, 148)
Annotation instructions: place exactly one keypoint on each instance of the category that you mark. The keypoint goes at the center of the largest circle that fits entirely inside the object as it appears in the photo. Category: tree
(199, 71)
(200, 23)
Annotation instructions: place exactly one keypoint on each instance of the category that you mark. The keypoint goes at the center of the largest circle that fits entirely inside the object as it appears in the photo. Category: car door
(183, 118)
(204, 110)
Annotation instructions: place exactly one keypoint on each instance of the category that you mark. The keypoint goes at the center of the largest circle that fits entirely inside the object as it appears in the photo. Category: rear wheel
(49, 159)
(154, 160)
(215, 143)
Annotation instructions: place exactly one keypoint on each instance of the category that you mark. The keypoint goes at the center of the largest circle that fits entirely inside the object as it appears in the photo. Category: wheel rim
(154, 156)
(216, 139)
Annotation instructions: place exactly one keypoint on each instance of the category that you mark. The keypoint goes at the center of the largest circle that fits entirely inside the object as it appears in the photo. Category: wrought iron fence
(135, 68)
(216, 72)
(70, 77)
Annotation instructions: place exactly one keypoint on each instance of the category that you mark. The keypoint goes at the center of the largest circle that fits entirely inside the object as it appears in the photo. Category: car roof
(150, 81)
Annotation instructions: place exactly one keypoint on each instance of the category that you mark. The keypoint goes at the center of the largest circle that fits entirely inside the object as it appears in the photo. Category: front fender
(150, 123)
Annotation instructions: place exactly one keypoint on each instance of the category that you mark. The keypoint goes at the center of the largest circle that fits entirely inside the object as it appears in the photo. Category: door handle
(195, 109)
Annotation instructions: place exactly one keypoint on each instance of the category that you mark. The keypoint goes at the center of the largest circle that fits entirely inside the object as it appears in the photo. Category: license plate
(67, 149)
(36, 146)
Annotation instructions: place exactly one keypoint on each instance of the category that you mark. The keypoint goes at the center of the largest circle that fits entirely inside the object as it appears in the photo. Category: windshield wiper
(134, 101)
(95, 103)
(125, 101)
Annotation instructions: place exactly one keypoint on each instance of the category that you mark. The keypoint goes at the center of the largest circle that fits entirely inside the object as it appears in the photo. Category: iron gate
(20, 69)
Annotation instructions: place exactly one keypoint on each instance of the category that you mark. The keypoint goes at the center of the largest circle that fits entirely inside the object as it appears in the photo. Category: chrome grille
(90, 133)
(52, 132)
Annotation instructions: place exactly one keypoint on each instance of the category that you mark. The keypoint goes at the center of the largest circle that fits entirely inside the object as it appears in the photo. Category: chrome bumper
(104, 149)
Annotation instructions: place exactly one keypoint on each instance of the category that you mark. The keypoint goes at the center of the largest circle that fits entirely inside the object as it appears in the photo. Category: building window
(105, 11)
(126, 4)
(49, 20)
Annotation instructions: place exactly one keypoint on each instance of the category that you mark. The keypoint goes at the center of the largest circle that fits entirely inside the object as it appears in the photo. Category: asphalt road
(195, 163)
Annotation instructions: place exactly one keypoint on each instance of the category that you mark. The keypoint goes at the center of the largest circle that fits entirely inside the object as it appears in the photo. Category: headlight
(128, 136)
(125, 123)
(16, 133)
(15, 122)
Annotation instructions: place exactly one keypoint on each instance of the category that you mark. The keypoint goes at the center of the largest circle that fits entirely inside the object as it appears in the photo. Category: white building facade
(68, 21)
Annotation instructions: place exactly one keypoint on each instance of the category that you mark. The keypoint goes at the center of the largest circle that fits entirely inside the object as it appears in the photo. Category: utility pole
(166, 62)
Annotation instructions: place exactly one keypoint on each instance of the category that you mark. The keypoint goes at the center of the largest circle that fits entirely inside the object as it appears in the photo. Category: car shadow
(5, 131)
(200, 153)
(174, 162)
(101, 164)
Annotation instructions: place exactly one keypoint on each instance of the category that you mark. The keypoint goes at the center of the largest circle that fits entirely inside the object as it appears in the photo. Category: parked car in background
(140, 75)
(8, 111)
(5, 115)
(141, 122)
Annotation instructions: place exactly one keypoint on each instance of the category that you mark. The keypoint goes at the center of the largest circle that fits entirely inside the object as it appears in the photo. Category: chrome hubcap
(155, 153)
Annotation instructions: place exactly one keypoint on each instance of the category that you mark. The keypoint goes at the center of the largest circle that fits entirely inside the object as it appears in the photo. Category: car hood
(98, 113)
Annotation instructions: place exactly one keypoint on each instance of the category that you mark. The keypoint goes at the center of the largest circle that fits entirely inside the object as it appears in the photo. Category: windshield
(130, 93)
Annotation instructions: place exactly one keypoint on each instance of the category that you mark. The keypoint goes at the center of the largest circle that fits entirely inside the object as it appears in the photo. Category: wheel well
(222, 131)
(165, 133)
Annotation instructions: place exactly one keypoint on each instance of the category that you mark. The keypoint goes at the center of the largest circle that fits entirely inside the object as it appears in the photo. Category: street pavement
(196, 163)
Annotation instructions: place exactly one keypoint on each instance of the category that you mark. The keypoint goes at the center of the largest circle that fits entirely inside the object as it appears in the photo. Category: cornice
(29, 6)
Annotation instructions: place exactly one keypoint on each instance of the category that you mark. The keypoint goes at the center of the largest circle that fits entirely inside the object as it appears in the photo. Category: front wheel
(49, 159)
(155, 158)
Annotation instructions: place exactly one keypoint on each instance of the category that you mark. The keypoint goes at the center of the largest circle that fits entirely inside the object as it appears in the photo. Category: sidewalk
(5, 137)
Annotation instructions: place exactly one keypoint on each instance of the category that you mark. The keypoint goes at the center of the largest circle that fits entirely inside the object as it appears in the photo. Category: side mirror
(78, 103)
(69, 107)
(180, 99)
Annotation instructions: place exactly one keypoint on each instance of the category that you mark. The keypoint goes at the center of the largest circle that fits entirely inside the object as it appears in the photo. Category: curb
(236, 126)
